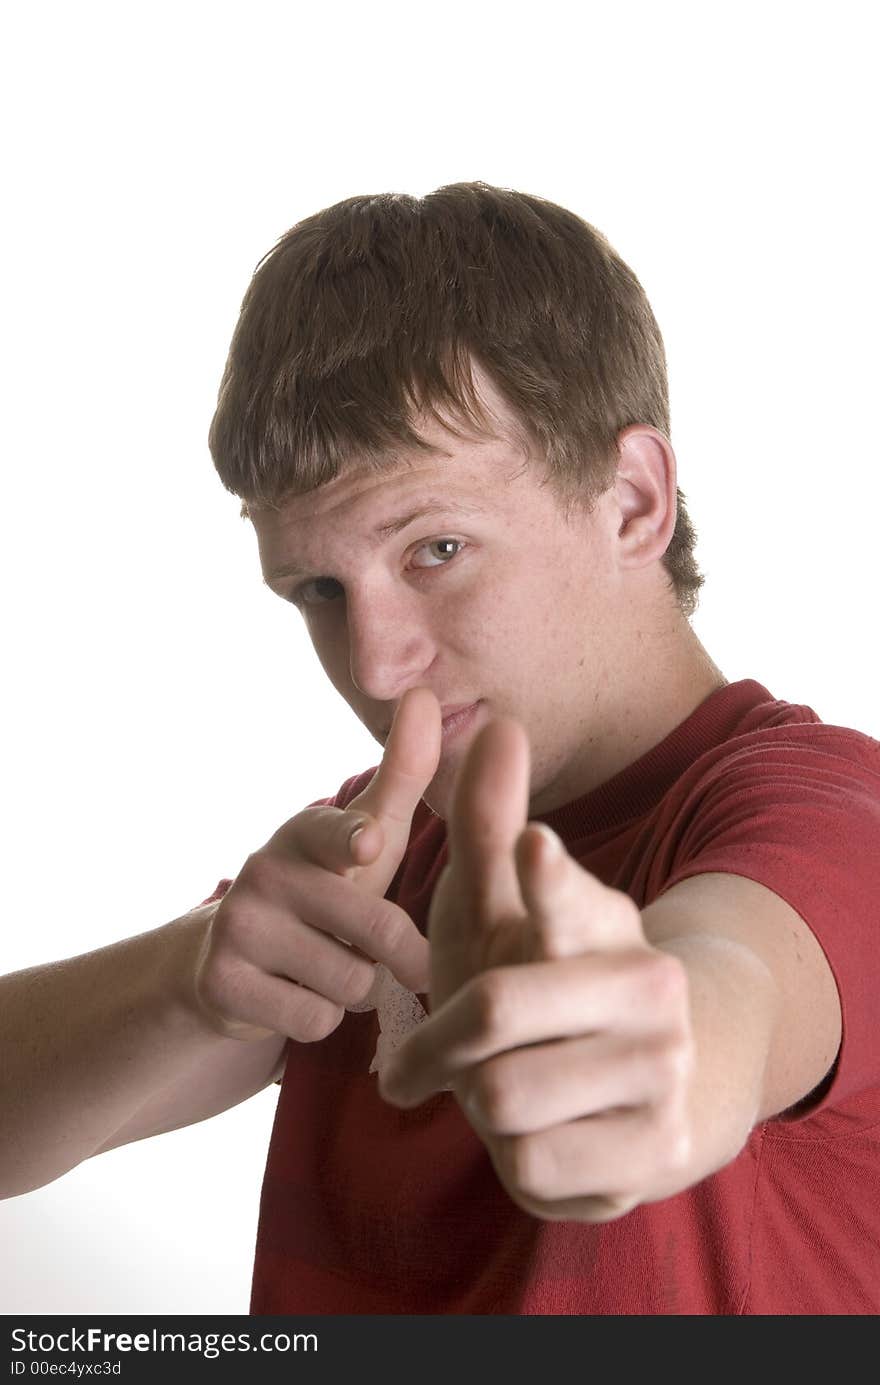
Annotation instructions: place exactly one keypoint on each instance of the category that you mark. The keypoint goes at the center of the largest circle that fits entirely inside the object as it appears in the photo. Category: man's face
(492, 598)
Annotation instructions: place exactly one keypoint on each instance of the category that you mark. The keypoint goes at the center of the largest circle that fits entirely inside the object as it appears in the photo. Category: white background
(163, 714)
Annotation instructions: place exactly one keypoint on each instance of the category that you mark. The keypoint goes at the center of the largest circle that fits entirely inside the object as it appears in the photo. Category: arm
(178, 1024)
(606, 1056)
(110, 1047)
(763, 1004)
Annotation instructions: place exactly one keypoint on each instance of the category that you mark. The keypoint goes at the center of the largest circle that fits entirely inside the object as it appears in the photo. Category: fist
(295, 940)
(563, 1033)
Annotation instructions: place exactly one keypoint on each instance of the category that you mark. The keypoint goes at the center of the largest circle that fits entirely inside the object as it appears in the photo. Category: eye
(302, 596)
(309, 593)
(436, 543)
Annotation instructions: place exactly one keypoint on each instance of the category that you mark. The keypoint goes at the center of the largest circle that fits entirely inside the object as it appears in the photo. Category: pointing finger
(489, 811)
(412, 753)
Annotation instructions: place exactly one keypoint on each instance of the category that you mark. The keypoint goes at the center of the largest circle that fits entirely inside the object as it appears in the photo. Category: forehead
(471, 475)
(459, 454)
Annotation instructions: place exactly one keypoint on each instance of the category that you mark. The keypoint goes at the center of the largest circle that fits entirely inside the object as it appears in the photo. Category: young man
(560, 1027)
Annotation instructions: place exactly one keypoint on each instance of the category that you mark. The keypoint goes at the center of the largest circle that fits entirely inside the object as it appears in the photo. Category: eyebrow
(393, 526)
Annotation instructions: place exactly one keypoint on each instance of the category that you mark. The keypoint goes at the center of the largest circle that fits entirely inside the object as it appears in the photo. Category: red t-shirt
(368, 1209)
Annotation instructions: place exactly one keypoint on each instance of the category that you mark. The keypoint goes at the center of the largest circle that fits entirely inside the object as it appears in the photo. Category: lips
(456, 722)
(454, 707)
(448, 710)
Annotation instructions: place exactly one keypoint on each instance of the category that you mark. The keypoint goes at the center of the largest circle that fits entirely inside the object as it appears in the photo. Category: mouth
(456, 719)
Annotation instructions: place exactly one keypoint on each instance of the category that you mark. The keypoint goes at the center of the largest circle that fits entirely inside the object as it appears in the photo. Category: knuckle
(676, 1147)
(680, 1150)
(327, 829)
(260, 872)
(528, 1169)
(493, 1096)
(493, 1000)
(391, 923)
(670, 1142)
(669, 1063)
(378, 928)
(659, 978)
(555, 938)
(626, 911)
(385, 926)
(311, 822)
(669, 978)
(356, 981)
(315, 1018)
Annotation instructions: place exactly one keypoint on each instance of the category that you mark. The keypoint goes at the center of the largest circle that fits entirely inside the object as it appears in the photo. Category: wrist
(184, 945)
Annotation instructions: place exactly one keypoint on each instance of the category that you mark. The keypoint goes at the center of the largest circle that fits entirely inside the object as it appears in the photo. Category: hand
(564, 1035)
(295, 938)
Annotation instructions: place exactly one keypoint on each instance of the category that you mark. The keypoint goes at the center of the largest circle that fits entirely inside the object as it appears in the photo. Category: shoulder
(816, 777)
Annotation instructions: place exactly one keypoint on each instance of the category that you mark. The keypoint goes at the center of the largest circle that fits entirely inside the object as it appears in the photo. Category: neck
(658, 679)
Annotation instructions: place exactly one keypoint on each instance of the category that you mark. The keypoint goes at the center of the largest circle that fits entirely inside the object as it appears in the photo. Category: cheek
(330, 643)
(532, 611)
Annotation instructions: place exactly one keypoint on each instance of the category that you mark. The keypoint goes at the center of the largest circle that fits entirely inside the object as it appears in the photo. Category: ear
(645, 495)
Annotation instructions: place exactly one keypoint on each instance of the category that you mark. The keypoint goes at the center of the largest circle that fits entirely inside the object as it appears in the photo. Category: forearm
(733, 1008)
(86, 1042)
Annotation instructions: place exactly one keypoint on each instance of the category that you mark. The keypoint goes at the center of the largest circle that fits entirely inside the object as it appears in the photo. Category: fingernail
(356, 832)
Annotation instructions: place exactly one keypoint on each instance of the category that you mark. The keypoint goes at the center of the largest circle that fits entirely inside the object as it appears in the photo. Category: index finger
(489, 811)
(322, 835)
(380, 930)
(409, 761)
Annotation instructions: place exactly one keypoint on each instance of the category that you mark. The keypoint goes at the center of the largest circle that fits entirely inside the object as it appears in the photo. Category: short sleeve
(801, 816)
(219, 891)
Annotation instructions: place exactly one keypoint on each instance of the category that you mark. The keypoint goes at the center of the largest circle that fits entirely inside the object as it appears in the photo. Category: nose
(389, 641)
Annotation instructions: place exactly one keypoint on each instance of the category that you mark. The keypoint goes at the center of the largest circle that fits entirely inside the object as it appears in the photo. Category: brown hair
(374, 309)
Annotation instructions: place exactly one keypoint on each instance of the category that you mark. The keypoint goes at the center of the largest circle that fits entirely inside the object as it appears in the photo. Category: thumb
(412, 754)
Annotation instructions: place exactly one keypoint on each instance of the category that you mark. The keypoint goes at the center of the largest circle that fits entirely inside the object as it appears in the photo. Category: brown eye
(437, 543)
(303, 596)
